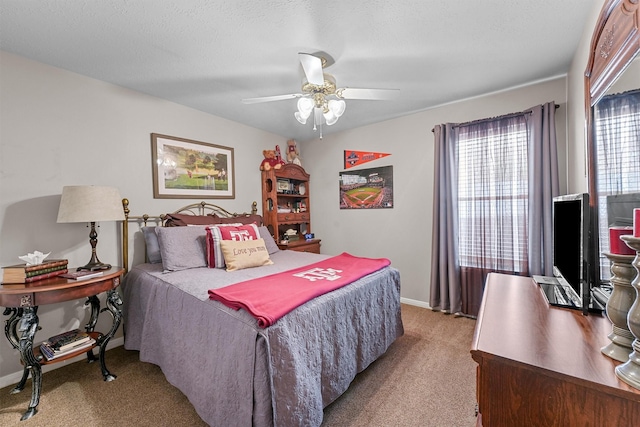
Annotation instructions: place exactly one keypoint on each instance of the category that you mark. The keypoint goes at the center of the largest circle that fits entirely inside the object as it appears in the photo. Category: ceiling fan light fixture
(305, 106)
(329, 117)
(299, 117)
(321, 96)
(337, 107)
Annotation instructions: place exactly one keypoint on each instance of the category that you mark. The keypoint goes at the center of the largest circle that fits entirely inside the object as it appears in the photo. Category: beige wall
(59, 128)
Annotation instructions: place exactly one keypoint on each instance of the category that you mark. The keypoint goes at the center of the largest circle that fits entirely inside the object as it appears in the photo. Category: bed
(233, 371)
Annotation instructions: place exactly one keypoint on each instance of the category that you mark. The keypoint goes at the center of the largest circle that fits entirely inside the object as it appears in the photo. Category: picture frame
(283, 185)
(367, 188)
(187, 169)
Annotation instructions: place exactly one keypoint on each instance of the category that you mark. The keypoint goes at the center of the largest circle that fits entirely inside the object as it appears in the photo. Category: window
(493, 194)
(617, 135)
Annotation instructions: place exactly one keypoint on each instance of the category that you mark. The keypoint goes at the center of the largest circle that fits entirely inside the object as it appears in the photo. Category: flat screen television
(571, 222)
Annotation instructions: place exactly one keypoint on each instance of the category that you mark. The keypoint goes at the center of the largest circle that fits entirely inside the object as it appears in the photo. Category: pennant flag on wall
(356, 158)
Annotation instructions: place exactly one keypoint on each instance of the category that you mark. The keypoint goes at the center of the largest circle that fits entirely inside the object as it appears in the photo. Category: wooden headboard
(196, 209)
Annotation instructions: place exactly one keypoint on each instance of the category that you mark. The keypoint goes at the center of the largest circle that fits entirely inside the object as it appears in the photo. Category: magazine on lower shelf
(68, 339)
(50, 354)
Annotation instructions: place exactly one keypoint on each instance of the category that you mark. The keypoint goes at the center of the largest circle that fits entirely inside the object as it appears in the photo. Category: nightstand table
(312, 245)
(21, 305)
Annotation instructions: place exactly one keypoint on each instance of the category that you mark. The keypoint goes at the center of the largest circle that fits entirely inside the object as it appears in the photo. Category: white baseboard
(13, 378)
(415, 302)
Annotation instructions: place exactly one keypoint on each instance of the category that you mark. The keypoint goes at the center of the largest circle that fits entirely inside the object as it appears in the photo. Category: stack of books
(81, 275)
(66, 343)
(23, 273)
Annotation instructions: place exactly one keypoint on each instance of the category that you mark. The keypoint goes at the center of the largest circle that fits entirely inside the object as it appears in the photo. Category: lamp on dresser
(91, 204)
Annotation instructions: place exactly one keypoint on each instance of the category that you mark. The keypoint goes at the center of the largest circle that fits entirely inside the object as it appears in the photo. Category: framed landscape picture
(367, 188)
(187, 169)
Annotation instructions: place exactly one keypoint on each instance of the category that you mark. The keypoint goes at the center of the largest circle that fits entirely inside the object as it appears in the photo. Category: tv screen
(570, 242)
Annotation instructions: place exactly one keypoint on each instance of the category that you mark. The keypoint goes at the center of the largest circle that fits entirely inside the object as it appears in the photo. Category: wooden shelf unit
(288, 188)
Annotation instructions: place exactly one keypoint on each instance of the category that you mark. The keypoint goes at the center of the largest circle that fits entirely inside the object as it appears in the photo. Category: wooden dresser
(541, 366)
(312, 245)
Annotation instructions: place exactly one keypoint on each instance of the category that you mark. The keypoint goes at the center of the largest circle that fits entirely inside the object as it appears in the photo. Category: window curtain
(544, 185)
(492, 201)
(446, 288)
(492, 204)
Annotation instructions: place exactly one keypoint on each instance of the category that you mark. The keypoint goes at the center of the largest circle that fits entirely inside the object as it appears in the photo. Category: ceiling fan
(321, 97)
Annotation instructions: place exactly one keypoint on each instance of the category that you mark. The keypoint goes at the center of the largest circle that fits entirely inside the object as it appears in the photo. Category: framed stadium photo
(367, 188)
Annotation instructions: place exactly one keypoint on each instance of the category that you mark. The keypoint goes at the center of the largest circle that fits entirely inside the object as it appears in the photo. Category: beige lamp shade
(88, 203)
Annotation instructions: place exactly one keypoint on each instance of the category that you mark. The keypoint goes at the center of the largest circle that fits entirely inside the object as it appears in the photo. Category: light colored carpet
(426, 378)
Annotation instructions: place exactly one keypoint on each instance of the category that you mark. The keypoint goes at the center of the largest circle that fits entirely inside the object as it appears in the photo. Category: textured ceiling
(210, 54)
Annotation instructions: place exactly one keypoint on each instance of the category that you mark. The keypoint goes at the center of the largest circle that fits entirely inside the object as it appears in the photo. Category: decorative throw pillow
(272, 246)
(182, 247)
(151, 245)
(217, 233)
(239, 254)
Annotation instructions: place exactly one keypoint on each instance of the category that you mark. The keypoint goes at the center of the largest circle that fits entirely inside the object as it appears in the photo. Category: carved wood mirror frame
(614, 45)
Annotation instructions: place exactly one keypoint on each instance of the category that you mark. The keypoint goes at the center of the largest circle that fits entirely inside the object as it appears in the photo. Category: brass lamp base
(94, 266)
(94, 263)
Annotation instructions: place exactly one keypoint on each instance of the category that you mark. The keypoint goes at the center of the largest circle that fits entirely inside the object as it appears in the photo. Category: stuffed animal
(293, 153)
(270, 161)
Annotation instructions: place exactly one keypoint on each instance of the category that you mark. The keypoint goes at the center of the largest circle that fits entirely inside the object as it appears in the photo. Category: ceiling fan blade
(312, 66)
(270, 98)
(370, 94)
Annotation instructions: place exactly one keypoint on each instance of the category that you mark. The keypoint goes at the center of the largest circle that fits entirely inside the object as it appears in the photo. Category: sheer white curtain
(495, 181)
(492, 194)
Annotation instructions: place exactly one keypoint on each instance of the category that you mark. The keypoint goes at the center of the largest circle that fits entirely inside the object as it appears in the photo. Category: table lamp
(91, 204)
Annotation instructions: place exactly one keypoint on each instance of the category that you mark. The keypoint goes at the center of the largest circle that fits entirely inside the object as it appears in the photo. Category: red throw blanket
(271, 297)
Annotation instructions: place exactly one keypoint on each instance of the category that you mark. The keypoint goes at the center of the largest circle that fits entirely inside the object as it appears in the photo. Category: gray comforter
(235, 373)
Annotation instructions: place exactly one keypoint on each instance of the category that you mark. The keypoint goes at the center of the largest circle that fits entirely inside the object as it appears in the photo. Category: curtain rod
(506, 116)
(628, 92)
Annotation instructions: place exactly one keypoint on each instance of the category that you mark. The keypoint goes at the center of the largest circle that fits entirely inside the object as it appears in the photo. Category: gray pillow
(152, 246)
(272, 246)
(182, 247)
